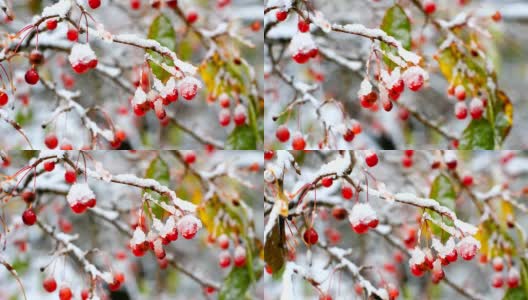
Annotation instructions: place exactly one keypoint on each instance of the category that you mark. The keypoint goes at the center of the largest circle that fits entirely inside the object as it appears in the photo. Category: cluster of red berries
(80, 196)
(512, 276)
(82, 58)
(187, 226)
(142, 102)
(476, 105)
(224, 257)
(407, 159)
(224, 116)
(362, 218)
(424, 260)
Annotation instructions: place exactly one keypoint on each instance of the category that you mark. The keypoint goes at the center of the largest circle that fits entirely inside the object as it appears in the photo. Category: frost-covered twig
(4, 116)
(70, 104)
(77, 253)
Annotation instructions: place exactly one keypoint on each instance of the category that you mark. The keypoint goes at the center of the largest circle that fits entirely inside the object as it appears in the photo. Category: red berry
(51, 141)
(303, 25)
(189, 157)
(224, 259)
(66, 146)
(497, 264)
(301, 57)
(282, 134)
(91, 203)
(429, 7)
(240, 256)
(32, 77)
(360, 227)
(417, 270)
(298, 142)
(209, 290)
(49, 284)
(310, 236)
(497, 16)
(373, 223)
(70, 176)
(349, 135)
(339, 213)
(28, 196)
(281, 15)
(327, 181)
(497, 280)
(29, 217)
(36, 57)
(403, 114)
(467, 180)
(239, 115)
(476, 108)
(460, 93)
(72, 34)
(51, 24)
(192, 17)
(135, 4)
(461, 110)
(513, 278)
(78, 207)
(65, 293)
(223, 241)
(393, 291)
(347, 192)
(325, 297)
(268, 154)
(85, 294)
(371, 159)
(3, 98)
(223, 3)
(94, 4)
(49, 166)
(407, 162)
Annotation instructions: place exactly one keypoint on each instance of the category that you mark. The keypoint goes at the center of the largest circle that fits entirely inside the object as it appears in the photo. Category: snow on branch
(66, 241)
(378, 34)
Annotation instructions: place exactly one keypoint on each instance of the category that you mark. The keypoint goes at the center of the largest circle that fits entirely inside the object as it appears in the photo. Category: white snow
(411, 73)
(80, 192)
(365, 88)
(302, 42)
(139, 97)
(338, 166)
(444, 249)
(450, 156)
(361, 213)
(81, 53)
(60, 9)
(417, 257)
(138, 237)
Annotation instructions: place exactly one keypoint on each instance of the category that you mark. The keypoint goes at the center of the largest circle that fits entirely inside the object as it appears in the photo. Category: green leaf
(158, 170)
(520, 292)
(235, 285)
(479, 135)
(242, 138)
(443, 191)
(161, 30)
(397, 24)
